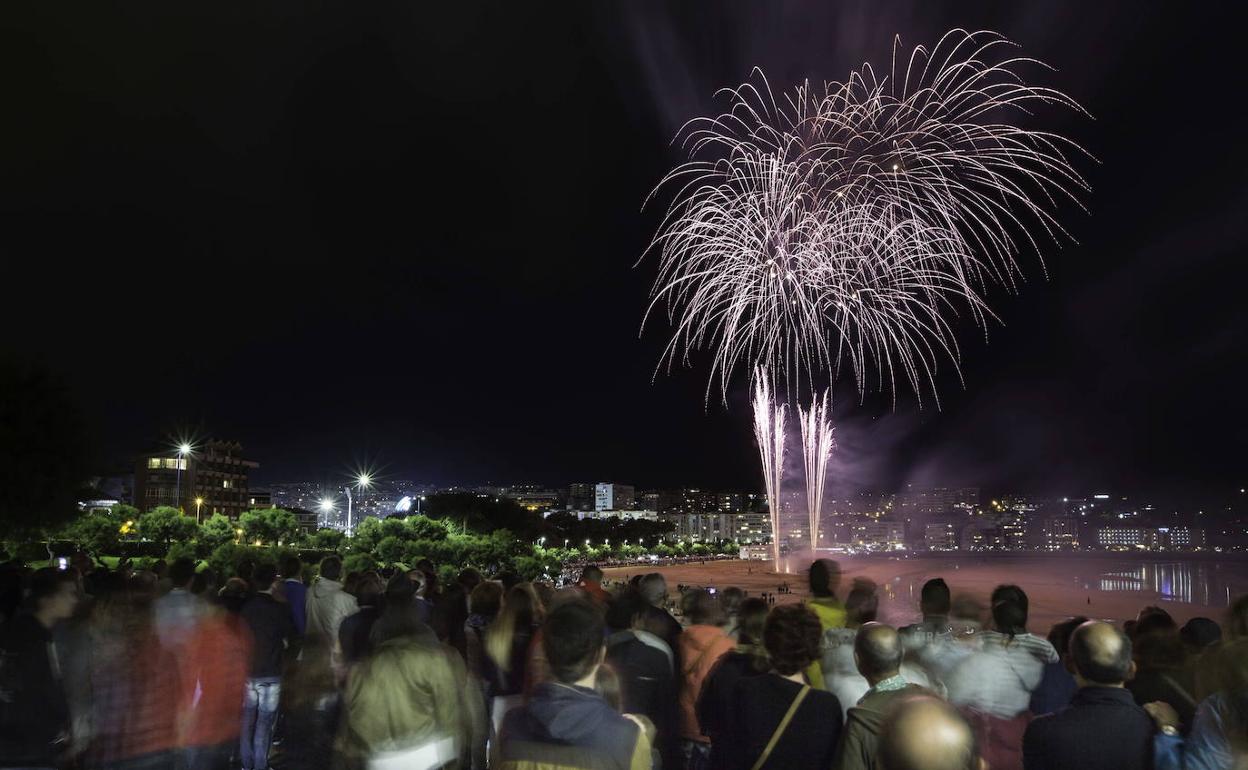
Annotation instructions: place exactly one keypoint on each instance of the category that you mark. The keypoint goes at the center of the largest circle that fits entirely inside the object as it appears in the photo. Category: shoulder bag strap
(784, 725)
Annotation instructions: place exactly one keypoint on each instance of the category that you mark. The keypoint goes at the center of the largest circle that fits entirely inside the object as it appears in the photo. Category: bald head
(1101, 654)
(877, 652)
(926, 733)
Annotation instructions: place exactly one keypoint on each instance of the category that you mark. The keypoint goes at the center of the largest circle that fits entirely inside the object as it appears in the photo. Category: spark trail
(769, 424)
(817, 443)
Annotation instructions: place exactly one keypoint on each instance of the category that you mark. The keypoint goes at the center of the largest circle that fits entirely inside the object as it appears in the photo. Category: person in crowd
(424, 607)
(825, 578)
(778, 720)
(34, 711)
(653, 588)
(406, 702)
(993, 686)
(328, 603)
(451, 611)
(354, 632)
(136, 709)
(310, 708)
(1199, 634)
(508, 639)
(935, 602)
(1163, 671)
(1102, 727)
(699, 647)
(730, 599)
(643, 667)
(272, 631)
(1219, 733)
(234, 594)
(205, 584)
(927, 733)
(591, 584)
(1057, 683)
(747, 659)
(566, 723)
(213, 668)
(296, 593)
(176, 612)
(835, 670)
(484, 604)
(878, 651)
(966, 618)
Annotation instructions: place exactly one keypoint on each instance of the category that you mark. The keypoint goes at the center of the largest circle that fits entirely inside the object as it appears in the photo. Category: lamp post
(362, 482)
(326, 507)
(199, 501)
(184, 450)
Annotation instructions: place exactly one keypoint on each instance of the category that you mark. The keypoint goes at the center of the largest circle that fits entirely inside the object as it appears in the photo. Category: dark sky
(404, 234)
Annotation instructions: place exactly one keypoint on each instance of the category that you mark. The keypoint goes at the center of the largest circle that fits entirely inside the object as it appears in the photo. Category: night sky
(404, 234)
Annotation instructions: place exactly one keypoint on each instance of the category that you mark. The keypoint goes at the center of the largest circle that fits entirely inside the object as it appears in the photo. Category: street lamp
(326, 507)
(184, 450)
(362, 482)
(199, 501)
(541, 540)
(565, 543)
(419, 500)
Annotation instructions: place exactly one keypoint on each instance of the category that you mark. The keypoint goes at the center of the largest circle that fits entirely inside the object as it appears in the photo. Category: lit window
(227, 484)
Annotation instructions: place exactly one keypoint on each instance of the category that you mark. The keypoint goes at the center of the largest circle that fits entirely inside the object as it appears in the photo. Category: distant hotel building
(215, 474)
(613, 497)
(1151, 538)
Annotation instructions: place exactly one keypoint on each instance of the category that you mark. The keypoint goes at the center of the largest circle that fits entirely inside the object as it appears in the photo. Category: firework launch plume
(845, 225)
(817, 442)
(769, 419)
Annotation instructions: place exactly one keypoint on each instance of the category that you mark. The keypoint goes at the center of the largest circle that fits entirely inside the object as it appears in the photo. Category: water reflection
(1178, 581)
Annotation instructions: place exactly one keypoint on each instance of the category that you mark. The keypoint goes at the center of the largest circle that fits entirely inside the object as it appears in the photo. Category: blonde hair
(522, 609)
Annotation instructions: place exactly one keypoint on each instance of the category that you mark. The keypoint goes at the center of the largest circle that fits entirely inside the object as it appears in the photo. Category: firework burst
(844, 225)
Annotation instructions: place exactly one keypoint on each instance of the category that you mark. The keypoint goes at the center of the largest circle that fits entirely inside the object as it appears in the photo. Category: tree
(366, 535)
(390, 549)
(269, 525)
(166, 524)
(424, 528)
(217, 530)
(97, 533)
(327, 539)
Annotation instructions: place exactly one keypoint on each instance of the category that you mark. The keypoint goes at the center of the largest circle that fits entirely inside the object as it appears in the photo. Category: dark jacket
(572, 727)
(647, 687)
(1055, 690)
(272, 628)
(859, 749)
(354, 632)
(714, 707)
(759, 705)
(34, 714)
(1102, 728)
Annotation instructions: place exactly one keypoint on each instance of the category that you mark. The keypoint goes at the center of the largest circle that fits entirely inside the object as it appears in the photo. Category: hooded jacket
(567, 726)
(328, 606)
(859, 749)
(700, 647)
(408, 693)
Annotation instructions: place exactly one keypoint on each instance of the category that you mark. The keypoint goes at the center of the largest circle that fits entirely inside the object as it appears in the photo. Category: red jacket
(699, 648)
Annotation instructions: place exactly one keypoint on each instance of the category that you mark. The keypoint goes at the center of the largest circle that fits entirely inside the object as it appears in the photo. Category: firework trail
(845, 225)
(817, 442)
(769, 419)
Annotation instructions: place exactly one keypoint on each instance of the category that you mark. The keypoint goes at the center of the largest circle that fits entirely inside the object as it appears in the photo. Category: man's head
(1009, 609)
(791, 636)
(572, 638)
(331, 568)
(825, 577)
(591, 574)
(751, 619)
(653, 588)
(702, 608)
(400, 590)
(292, 568)
(862, 604)
(934, 599)
(926, 733)
(1101, 655)
(264, 576)
(181, 572)
(877, 652)
(52, 594)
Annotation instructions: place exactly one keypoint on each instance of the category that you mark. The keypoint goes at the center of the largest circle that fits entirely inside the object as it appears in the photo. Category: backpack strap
(784, 725)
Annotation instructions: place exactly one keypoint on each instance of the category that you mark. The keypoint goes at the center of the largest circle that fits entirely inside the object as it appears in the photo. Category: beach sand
(1058, 586)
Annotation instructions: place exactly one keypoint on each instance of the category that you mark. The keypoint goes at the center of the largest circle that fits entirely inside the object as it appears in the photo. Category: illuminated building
(213, 472)
(613, 497)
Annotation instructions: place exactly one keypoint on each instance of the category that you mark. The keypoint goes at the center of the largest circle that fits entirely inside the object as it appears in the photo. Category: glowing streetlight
(363, 481)
(184, 451)
(565, 542)
(541, 540)
(199, 501)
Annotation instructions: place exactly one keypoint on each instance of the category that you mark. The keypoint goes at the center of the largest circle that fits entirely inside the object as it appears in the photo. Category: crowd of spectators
(297, 667)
